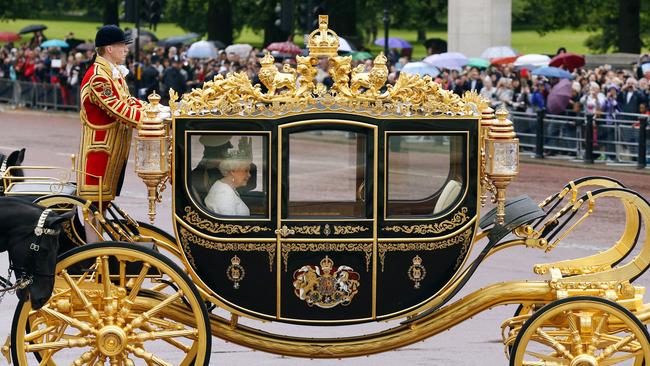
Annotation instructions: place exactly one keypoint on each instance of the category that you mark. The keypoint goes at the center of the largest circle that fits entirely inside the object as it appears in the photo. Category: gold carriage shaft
(359, 203)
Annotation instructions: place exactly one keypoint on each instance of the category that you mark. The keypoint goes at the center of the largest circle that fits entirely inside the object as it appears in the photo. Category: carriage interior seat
(449, 194)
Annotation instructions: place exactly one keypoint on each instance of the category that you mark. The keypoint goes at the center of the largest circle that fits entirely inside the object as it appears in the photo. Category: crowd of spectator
(602, 90)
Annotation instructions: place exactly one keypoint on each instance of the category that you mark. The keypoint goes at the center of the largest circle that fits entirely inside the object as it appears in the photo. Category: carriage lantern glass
(502, 159)
(151, 160)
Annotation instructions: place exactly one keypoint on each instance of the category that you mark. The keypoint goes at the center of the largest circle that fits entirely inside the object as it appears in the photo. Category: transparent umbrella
(202, 49)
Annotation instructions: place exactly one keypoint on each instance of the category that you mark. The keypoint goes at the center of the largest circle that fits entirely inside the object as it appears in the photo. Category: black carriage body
(305, 258)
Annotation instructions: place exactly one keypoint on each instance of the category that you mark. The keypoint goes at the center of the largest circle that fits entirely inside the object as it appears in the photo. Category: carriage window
(425, 174)
(229, 174)
(327, 173)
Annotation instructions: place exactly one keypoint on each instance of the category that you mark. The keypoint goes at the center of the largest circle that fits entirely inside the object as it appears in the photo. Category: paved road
(52, 137)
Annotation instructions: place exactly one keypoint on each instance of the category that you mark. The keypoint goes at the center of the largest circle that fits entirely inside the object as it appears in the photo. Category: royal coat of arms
(326, 285)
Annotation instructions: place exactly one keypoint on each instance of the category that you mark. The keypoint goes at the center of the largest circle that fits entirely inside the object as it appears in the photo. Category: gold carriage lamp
(502, 159)
(151, 160)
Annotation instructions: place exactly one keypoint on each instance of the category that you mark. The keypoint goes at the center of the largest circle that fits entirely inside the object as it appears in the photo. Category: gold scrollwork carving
(459, 218)
(463, 239)
(295, 90)
(188, 237)
(287, 248)
(193, 218)
(67, 229)
(348, 229)
(307, 230)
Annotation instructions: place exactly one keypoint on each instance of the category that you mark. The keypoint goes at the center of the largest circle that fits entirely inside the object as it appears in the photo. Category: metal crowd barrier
(622, 138)
(38, 95)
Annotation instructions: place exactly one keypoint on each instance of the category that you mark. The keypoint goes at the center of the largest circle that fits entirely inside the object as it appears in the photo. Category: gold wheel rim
(90, 320)
(582, 333)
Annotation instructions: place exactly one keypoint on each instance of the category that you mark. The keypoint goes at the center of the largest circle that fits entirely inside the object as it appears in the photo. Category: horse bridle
(25, 275)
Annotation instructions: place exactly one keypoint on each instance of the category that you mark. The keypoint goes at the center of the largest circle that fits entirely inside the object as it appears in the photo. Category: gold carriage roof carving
(295, 90)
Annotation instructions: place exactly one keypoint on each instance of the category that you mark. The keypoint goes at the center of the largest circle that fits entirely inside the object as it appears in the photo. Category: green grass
(524, 41)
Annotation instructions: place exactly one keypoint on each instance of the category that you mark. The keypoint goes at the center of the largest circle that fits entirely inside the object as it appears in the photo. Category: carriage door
(326, 220)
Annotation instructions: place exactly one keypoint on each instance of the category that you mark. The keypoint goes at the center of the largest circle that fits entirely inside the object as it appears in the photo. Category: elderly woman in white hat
(223, 198)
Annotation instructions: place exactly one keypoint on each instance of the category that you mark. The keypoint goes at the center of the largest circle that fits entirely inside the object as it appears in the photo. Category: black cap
(110, 34)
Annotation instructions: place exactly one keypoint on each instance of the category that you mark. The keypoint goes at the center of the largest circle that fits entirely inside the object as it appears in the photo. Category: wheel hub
(584, 360)
(111, 340)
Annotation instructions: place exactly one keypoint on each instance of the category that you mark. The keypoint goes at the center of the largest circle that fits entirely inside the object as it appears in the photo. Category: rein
(27, 273)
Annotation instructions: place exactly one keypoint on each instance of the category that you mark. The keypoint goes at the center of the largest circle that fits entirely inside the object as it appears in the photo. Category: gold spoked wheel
(582, 331)
(114, 304)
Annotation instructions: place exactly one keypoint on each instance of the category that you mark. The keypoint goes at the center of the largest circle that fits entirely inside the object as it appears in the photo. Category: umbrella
(285, 47)
(503, 60)
(241, 49)
(570, 61)
(420, 68)
(74, 42)
(178, 40)
(9, 37)
(202, 49)
(498, 51)
(33, 28)
(218, 44)
(447, 60)
(143, 33)
(552, 72)
(360, 56)
(478, 62)
(86, 46)
(345, 46)
(55, 43)
(393, 42)
(559, 96)
(532, 60)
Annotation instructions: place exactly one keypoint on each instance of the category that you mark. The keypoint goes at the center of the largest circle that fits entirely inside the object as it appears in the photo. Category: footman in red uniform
(108, 115)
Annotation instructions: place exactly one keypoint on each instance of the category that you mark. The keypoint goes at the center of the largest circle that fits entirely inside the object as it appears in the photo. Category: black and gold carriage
(360, 203)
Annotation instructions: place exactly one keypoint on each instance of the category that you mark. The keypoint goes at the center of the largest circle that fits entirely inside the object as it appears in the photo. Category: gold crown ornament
(326, 264)
(267, 60)
(323, 41)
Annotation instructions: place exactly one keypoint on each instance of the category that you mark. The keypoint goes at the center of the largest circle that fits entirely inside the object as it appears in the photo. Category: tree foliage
(620, 25)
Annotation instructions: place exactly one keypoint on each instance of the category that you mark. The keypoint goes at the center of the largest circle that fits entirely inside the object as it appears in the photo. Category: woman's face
(240, 176)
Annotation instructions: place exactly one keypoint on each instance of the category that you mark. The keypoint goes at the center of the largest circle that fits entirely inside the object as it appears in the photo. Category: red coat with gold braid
(108, 115)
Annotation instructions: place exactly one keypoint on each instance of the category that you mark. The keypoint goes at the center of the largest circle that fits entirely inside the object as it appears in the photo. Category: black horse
(31, 235)
(7, 161)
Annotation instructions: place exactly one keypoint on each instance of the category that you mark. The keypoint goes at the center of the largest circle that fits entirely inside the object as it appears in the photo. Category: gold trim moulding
(328, 229)
(464, 239)
(187, 237)
(194, 218)
(459, 218)
(287, 248)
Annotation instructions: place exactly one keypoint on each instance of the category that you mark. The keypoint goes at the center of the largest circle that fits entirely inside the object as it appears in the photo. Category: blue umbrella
(420, 68)
(393, 42)
(54, 43)
(202, 49)
(552, 72)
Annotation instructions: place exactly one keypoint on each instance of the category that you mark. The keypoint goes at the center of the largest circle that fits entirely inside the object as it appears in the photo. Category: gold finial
(503, 128)
(154, 99)
(323, 41)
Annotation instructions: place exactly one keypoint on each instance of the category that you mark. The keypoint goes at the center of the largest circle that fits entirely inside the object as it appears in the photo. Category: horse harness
(25, 275)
